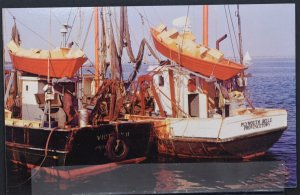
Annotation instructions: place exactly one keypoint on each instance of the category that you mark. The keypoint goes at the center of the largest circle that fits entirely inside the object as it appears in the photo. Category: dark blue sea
(272, 85)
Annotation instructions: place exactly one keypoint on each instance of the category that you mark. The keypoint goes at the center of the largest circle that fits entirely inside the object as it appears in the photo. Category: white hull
(262, 120)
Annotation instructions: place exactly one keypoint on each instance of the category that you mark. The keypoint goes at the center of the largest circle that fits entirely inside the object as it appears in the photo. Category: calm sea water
(273, 85)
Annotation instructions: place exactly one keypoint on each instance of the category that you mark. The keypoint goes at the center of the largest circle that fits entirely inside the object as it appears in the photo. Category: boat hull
(223, 70)
(59, 68)
(245, 135)
(245, 147)
(76, 146)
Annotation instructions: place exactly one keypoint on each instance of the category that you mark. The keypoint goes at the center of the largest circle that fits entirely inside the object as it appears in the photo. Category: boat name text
(256, 124)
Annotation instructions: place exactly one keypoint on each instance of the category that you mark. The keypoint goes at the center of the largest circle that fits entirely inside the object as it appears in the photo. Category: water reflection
(171, 177)
(220, 177)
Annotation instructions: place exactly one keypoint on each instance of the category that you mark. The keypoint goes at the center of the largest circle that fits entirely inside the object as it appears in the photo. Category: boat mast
(103, 45)
(205, 25)
(240, 35)
(49, 93)
(96, 65)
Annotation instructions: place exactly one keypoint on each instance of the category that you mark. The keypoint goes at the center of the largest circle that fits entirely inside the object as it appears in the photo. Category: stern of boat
(251, 132)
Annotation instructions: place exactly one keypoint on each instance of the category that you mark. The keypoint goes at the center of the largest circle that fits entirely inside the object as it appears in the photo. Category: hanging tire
(116, 149)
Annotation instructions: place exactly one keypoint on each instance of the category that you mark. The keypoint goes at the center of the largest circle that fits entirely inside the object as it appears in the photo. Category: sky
(268, 30)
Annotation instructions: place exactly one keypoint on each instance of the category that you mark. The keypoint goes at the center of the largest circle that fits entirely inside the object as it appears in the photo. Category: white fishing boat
(205, 117)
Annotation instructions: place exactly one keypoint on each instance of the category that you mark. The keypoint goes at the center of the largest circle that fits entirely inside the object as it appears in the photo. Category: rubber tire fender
(110, 148)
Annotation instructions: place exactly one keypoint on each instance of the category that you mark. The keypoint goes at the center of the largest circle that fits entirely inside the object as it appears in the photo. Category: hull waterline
(239, 148)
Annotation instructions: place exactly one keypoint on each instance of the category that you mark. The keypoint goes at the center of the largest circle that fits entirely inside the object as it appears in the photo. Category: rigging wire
(157, 14)
(37, 34)
(60, 23)
(149, 23)
(186, 19)
(69, 15)
(87, 32)
(143, 28)
(229, 33)
(72, 24)
(237, 45)
(92, 64)
(80, 26)
(145, 18)
(134, 37)
(180, 47)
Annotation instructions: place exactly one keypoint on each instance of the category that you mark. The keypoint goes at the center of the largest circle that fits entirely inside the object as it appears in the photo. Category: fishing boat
(56, 124)
(201, 108)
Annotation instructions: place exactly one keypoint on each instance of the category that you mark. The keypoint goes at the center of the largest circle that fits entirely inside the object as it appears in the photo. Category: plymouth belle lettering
(256, 124)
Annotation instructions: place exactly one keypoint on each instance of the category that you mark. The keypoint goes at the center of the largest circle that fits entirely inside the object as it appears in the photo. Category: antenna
(64, 32)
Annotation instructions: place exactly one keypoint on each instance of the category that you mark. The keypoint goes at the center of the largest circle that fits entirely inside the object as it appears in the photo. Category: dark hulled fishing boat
(53, 126)
(31, 146)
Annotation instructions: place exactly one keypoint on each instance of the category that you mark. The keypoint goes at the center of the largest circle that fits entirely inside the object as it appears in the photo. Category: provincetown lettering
(256, 124)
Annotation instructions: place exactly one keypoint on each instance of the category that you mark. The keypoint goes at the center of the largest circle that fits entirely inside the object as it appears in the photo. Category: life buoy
(116, 148)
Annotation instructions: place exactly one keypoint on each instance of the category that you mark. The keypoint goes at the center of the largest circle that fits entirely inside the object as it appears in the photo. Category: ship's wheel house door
(193, 103)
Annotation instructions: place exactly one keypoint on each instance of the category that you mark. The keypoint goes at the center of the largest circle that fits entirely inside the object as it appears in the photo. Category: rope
(37, 34)
(229, 32)
(220, 129)
(41, 164)
(178, 107)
